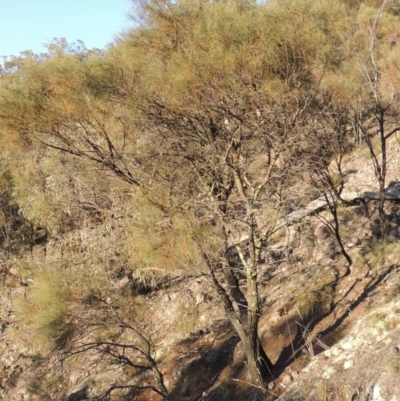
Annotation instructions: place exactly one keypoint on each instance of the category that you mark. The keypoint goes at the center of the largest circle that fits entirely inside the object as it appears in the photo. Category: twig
(290, 334)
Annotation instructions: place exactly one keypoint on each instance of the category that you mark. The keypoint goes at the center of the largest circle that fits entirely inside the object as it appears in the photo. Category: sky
(27, 24)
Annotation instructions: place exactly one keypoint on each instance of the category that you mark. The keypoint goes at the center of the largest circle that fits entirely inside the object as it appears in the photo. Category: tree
(377, 99)
(230, 121)
(325, 166)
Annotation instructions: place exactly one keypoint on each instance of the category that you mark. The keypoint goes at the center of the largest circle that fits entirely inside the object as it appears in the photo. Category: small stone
(275, 317)
(74, 378)
(286, 379)
(14, 356)
(201, 298)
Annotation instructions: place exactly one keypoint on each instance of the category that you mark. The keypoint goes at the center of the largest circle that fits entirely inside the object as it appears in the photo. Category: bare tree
(325, 167)
(378, 100)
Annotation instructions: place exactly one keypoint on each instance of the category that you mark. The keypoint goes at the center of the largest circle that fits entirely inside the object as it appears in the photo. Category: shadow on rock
(198, 376)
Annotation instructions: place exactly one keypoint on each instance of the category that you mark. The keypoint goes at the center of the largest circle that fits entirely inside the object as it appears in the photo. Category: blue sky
(27, 24)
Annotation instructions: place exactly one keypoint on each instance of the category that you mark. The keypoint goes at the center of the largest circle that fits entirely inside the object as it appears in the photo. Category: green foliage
(45, 307)
(381, 251)
(251, 45)
(158, 241)
(56, 295)
(314, 299)
(309, 304)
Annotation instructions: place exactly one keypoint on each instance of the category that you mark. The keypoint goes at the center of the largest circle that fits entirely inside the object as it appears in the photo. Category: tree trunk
(382, 175)
(336, 231)
(258, 364)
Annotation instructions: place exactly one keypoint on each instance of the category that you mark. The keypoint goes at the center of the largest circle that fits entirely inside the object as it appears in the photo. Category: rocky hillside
(208, 209)
(332, 335)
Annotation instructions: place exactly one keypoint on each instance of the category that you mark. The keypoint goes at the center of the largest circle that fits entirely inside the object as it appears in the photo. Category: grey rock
(286, 379)
(80, 395)
(393, 188)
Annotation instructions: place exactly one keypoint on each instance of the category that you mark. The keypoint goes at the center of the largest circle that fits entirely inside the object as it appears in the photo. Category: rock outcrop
(364, 365)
